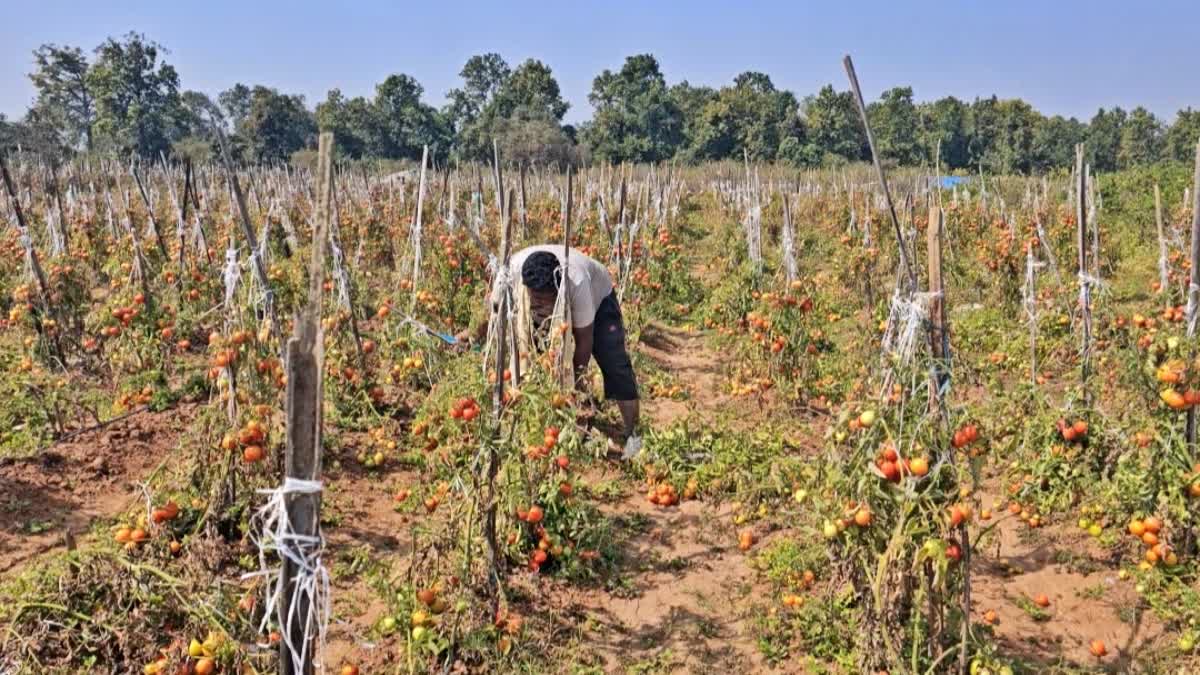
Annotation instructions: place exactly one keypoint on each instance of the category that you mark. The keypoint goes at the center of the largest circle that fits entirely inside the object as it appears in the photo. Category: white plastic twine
(1086, 283)
(232, 273)
(57, 244)
(1192, 297)
(343, 282)
(907, 323)
(502, 286)
(311, 581)
(1029, 301)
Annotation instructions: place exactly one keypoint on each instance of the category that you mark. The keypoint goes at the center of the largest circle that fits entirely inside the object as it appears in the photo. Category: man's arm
(473, 335)
(583, 352)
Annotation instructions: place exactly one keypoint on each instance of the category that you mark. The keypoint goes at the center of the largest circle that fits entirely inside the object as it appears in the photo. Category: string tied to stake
(310, 585)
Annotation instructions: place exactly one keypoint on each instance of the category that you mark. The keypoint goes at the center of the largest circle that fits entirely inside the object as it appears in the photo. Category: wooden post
(1193, 291)
(259, 271)
(1031, 312)
(490, 505)
(514, 334)
(162, 246)
(887, 195)
(498, 175)
(303, 459)
(63, 225)
(34, 263)
(938, 339)
(1084, 285)
(789, 239)
(524, 207)
(566, 314)
(416, 227)
(1163, 271)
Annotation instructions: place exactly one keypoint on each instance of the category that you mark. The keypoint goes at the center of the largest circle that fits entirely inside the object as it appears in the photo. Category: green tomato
(419, 633)
(830, 530)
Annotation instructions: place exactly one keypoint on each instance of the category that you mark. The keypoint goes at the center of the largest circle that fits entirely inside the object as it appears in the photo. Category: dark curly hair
(541, 271)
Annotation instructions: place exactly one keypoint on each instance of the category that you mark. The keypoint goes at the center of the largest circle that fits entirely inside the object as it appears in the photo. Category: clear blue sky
(1064, 56)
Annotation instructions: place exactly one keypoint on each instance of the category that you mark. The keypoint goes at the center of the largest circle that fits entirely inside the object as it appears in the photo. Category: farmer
(595, 321)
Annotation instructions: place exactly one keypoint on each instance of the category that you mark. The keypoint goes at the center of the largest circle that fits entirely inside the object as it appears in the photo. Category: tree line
(124, 98)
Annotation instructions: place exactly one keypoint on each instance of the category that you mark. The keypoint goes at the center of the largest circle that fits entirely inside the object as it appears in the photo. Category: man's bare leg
(631, 414)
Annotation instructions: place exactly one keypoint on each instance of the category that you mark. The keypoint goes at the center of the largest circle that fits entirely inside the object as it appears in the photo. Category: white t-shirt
(589, 282)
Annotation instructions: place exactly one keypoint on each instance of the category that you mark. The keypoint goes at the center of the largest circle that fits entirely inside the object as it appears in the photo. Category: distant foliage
(126, 99)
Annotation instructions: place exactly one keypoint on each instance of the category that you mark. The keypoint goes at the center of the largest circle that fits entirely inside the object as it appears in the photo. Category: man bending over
(596, 323)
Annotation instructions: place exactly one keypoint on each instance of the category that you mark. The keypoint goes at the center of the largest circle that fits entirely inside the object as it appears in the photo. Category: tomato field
(911, 430)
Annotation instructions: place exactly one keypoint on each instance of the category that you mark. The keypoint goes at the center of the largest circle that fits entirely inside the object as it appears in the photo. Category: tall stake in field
(1085, 280)
(1163, 265)
(488, 495)
(789, 240)
(416, 231)
(939, 340)
(260, 272)
(887, 195)
(564, 287)
(162, 246)
(524, 205)
(35, 265)
(939, 343)
(1030, 303)
(1193, 294)
(303, 460)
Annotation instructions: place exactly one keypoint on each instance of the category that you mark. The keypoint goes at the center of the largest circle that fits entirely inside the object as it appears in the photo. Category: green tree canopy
(1142, 139)
(1104, 139)
(60, 77)
(636, 118)
(497, 101)
(943, 128)
(896, 125)
(1181, 138)
(136, 94)
(275, 126)
(751, 118)
(834, 129)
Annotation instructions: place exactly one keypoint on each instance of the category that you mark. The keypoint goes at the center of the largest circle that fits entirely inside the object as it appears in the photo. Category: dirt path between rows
(54, 497)
(683, 604)
(1088, 600)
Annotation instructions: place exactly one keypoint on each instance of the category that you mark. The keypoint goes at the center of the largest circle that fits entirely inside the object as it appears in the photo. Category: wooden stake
(304, 415)
(162, 246)
(1084, 291)
(938, 339)
(887, 195)
(1193, 293)
(562, 356)
(1163, 276)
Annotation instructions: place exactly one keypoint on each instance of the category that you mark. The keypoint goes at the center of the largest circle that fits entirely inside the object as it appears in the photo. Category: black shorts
(608, 346)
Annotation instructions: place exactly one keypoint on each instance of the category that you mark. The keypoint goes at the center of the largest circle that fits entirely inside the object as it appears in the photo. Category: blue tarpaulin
(952, 181)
